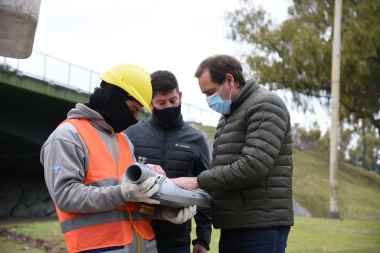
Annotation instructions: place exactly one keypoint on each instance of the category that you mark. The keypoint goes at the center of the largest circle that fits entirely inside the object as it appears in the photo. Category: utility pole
(335, 83)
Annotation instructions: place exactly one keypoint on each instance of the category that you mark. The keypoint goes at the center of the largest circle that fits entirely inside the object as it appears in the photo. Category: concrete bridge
(35, 96)
(31, 106)
(30, 110)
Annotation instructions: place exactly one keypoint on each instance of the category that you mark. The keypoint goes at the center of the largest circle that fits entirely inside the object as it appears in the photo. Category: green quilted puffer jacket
(252, 164)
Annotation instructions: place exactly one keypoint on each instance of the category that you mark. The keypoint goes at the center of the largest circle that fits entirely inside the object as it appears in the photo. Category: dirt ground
(25, 240)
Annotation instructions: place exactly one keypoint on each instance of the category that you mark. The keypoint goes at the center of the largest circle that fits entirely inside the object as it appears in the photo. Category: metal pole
(335, 78)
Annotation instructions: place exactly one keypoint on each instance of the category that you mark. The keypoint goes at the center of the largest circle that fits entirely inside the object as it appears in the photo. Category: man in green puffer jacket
(252, 164)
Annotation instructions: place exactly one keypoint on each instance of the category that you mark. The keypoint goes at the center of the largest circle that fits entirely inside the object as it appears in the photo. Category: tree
(311, 139)
(296, 55)
(344, 143)
(366, 152)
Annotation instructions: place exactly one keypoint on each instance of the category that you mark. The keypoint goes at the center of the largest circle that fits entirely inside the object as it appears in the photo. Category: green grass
(307, 235)
(43, 230)
(36, 237)
(8, 246)
(326, 235)
(357, 230)
(358, 189)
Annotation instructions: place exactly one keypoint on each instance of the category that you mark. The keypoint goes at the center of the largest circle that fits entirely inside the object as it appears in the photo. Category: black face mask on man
(109, 101)
(168, 115)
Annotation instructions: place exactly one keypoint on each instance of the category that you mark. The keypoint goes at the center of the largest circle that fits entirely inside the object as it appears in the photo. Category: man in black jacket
(182, 151)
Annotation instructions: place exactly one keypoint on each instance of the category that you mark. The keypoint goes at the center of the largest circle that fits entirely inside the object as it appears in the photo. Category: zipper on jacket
(164, 148)
(216, 145)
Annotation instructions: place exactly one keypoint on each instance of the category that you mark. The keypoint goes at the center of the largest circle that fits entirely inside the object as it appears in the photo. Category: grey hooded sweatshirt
(64, 157)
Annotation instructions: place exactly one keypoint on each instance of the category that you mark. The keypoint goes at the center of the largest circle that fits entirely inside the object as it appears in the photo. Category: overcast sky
(174, 35)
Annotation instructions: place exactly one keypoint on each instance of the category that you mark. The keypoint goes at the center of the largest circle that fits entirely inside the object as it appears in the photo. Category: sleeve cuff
(202, 243)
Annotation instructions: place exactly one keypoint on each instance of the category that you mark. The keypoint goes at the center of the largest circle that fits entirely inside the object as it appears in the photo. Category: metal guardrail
(59, 72)
(54, 70)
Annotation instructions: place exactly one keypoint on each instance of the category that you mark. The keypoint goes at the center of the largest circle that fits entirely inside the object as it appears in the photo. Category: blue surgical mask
(219, 105)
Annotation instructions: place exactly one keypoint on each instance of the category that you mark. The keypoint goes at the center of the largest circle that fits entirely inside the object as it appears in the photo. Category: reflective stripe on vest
(84, 231)
(100, 218)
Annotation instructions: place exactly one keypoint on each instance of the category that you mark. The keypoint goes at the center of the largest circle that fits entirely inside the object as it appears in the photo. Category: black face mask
(168, 115)
(109, 101)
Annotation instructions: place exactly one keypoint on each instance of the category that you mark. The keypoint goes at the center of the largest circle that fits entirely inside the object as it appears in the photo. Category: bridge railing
(59, 72)
(54, 70)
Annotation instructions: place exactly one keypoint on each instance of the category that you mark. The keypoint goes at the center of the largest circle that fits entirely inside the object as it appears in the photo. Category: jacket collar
(250, 86)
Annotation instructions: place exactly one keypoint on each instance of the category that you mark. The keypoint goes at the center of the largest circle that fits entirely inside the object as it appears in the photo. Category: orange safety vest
(85, 231)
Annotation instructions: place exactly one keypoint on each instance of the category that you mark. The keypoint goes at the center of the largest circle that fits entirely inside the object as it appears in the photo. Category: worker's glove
(139, 192)
(175, 215)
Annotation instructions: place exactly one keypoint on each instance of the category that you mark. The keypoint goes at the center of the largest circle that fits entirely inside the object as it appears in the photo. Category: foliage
(297, 54)
(345, 139)
(309, 139)
(366, 152)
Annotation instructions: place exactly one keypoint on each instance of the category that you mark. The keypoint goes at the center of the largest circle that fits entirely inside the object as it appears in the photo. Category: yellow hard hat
(134, 80)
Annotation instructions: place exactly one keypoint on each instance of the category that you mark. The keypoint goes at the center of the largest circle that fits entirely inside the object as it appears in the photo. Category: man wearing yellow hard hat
(85, 160)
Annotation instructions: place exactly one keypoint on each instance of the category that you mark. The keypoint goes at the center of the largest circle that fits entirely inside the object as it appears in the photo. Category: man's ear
(151, 106)
(180, 96)
(230, 81)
